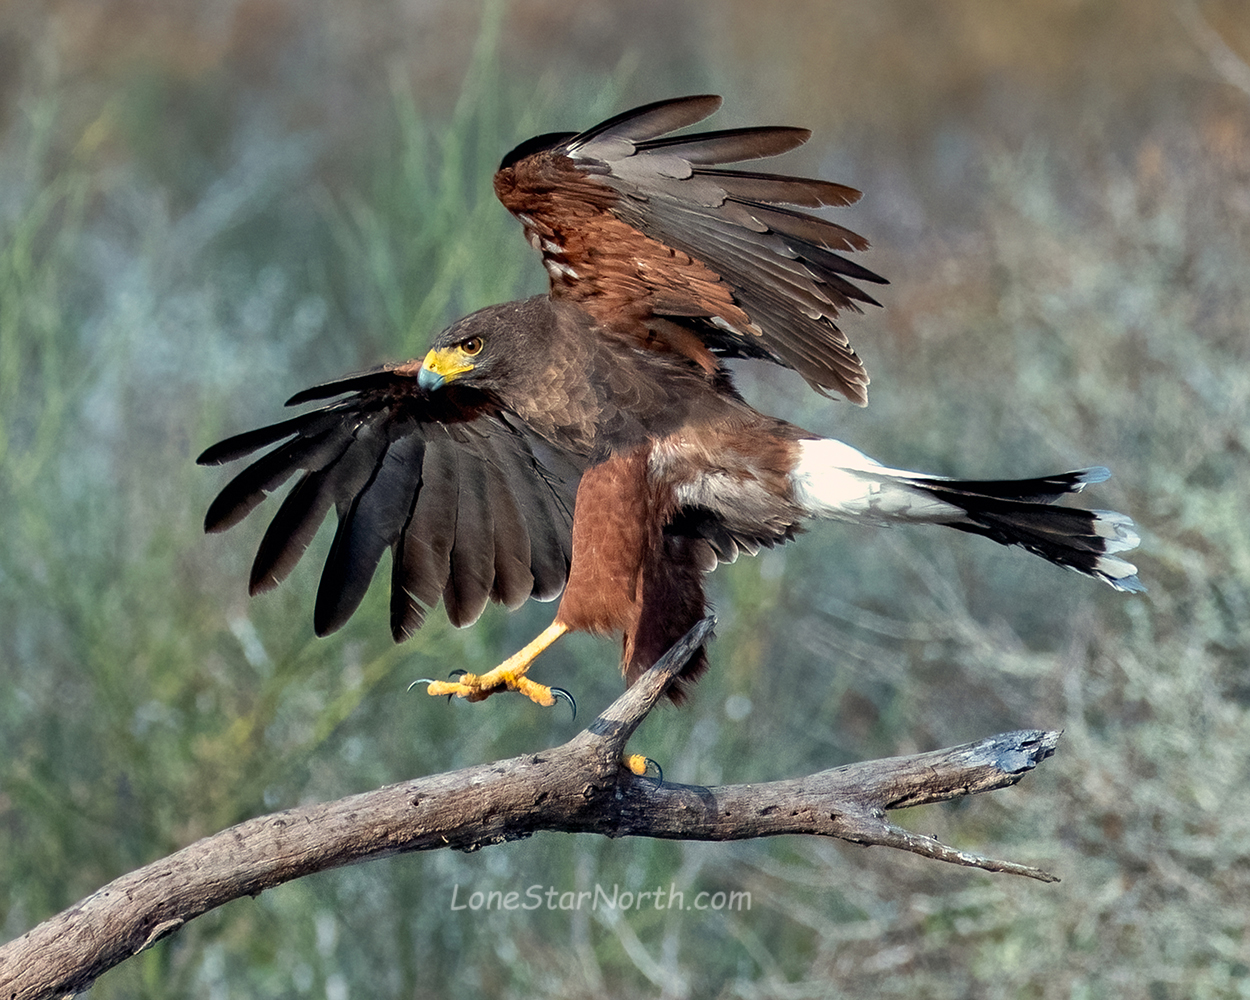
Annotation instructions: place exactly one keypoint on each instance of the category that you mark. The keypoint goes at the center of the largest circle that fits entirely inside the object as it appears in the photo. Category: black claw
(562, 693)
(457, 673)
(658, 770)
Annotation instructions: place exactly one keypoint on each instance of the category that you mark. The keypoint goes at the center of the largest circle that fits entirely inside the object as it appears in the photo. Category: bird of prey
(589, 443)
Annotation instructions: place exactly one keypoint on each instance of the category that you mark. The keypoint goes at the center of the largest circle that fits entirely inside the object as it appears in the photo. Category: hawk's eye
(471, 346)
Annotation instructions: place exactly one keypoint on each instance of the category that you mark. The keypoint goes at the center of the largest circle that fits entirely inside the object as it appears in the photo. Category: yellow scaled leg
(508, 676)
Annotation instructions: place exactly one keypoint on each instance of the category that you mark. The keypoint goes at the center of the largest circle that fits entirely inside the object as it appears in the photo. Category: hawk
(589, 444)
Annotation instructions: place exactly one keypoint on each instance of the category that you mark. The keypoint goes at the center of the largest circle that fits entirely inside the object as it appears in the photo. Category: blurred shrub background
(206, 206)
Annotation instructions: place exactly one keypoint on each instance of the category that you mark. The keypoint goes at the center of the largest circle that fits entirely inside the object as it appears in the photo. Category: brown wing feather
(635, 225)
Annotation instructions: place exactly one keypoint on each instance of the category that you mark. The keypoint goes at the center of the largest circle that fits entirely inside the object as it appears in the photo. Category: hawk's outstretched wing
(637, 227)
(473, 505)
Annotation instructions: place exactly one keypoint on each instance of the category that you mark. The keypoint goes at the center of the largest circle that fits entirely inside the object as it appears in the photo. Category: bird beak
(441, 366)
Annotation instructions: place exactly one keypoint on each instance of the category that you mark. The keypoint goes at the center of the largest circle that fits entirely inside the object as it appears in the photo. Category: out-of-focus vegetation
(206, 208)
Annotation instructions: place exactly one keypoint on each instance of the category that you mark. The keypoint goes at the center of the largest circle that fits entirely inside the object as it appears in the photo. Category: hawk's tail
(834, 480)
(1020, 513)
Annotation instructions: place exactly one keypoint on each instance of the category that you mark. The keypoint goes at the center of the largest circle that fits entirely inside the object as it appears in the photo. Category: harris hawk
(589, 443)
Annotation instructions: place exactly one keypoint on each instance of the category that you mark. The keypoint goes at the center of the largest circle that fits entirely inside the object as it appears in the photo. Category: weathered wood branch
(578, 787)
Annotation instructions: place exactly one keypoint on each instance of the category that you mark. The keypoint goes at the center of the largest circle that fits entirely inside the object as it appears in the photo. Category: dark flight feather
(401, 477)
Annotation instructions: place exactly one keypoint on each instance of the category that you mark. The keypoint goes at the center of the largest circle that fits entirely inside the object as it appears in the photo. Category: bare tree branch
(578, 787)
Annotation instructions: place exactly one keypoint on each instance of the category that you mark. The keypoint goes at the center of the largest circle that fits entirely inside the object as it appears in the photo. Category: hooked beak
(441, 366)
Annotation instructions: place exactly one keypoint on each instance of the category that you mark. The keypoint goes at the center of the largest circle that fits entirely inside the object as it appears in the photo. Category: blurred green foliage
(180, 251)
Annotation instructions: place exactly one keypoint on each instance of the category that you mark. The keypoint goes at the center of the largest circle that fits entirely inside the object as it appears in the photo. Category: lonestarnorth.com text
(540, 897)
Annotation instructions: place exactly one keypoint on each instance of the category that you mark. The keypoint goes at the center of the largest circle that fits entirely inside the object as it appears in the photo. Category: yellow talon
(509, 675)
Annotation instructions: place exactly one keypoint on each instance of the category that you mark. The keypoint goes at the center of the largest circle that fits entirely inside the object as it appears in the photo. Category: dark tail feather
(1020, 512)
